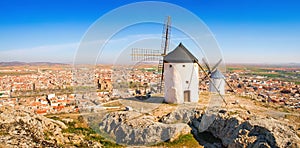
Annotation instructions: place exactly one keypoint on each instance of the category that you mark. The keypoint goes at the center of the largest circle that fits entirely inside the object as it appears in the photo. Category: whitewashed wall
(175, 79)
(220, 85)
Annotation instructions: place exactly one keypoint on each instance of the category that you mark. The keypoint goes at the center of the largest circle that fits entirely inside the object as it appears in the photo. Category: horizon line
(148, 63)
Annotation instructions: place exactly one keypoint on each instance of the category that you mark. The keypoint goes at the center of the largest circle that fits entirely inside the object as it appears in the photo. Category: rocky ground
(240, 123)
(21, 128)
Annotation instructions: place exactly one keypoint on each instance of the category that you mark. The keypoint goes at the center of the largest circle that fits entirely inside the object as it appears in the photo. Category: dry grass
(112, 103)
(294, 119)
(183, 141)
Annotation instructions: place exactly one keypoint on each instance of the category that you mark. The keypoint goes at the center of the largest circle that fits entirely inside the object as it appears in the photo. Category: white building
(181, 76)
(218, 79)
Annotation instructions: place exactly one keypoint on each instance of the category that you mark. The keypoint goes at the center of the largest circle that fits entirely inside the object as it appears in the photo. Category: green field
(268, 72)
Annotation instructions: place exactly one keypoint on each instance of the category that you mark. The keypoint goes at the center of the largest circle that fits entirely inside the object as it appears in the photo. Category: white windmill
(181, 76)
(177, 70)
(217, 80)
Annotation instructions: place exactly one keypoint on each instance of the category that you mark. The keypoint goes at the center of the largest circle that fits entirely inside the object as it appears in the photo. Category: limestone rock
(240, 130)
(26, 129)
(132, 128)
(180, 115)
(256, 132)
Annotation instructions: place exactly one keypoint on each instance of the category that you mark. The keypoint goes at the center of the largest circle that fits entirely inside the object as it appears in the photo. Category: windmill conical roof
(217, 75)
(180, 55)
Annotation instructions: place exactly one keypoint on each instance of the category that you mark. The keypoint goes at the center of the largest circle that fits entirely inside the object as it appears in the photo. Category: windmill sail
(165, 48)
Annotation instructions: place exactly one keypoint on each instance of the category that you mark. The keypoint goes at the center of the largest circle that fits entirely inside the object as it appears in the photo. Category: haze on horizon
(247, 31)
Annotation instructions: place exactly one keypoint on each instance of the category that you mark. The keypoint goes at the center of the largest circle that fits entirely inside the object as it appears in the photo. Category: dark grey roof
(179, 55)
(217, 75)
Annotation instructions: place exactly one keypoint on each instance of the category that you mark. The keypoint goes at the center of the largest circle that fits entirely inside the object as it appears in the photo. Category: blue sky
(247, 31)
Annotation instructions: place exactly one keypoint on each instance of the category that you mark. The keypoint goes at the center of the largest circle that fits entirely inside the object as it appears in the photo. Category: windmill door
(187, 96)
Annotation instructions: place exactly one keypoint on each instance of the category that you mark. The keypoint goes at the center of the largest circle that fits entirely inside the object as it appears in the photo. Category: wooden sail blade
(217, 64)
(206, 65)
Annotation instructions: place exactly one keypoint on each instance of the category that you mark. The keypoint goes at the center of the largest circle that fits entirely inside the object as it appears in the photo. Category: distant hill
(17, 63)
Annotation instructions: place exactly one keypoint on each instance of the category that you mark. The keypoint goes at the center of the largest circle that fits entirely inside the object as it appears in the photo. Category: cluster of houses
(36, 80)
(266, 89)
(48, 104)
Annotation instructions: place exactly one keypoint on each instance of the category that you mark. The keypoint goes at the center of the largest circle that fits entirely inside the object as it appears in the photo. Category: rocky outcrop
(232, 128)
(132, 128)
(181, 115)
(234, 131)
(220, 129)
(26, 129)
(22, 128)
(239, 130)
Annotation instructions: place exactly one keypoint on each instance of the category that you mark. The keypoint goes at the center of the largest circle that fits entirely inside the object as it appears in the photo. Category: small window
(183, 65)
(170, 66)
(187, 82)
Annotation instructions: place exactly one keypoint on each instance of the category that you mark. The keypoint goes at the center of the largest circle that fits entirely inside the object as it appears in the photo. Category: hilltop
(235, 125)
(242, 122)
